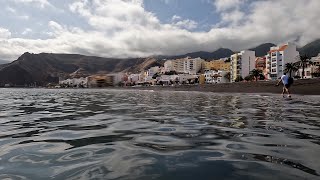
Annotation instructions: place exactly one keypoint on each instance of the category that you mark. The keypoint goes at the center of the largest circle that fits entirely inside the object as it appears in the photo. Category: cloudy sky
(139, 28)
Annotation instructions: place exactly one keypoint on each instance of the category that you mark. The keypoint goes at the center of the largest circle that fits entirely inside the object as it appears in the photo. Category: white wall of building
(168, 66)
(185, 77)
(133, 78)
(247, 62)
(192, 66)
(153, 70)
(241, 64)
(186, 65)
(212, 77)
(169, 79)
(280, 56)
(75, 82)
(117, 78)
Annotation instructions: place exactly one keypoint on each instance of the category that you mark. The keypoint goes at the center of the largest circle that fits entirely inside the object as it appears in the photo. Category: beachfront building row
(92, 81)
(188, 70)
(241, 64)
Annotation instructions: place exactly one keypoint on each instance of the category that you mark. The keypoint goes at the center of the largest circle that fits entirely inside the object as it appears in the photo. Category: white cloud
(23, 17)
(178, 22)
(10, 9)
(175, 18)
(123, 28)
(114, 14)
(26, 31)
(233, 17)
(14, 11)
(39, 3)
(222, 5)
(56, 27)
(186, 24)
(4, 33)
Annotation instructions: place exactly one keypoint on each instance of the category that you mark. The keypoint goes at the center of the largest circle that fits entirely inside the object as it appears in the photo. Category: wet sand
(302, 87)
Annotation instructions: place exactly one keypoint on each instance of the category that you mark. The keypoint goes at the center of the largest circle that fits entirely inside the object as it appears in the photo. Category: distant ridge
(311, 49)
(44, 68)
(219, 53)
(262, 49)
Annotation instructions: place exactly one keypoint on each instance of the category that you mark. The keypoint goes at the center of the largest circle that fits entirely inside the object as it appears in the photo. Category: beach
(301, 87)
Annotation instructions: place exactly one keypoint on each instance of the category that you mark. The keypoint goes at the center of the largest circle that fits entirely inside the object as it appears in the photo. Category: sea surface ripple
(127, 134)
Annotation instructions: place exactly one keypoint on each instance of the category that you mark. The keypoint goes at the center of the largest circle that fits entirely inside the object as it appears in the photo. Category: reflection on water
(113, 134)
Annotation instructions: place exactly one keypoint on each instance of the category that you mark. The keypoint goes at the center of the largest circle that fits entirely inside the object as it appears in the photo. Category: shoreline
(300, 87)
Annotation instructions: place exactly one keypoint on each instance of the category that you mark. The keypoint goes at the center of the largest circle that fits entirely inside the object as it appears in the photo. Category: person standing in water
(286, 84)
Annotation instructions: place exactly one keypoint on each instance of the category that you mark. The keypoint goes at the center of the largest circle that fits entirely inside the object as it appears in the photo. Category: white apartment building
(134, 78)
(278, 57)
(75, 82)
(117, 77)
(192, 66)
(153, 70)
(184, 78)
(178, 65)
(169, 79)
(241, 64)
(168, 66)
(212, 76)
(186, 65)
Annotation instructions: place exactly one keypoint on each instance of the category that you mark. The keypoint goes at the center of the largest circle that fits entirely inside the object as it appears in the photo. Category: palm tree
(256, 73)
(291, 67)
(304, 60)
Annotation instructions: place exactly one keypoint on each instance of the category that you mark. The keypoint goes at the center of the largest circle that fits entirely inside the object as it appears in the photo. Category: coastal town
(242, 66)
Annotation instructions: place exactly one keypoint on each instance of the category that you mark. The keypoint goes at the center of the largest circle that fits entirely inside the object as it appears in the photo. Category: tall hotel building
(278, 57)
(186, 65)
(241, 64)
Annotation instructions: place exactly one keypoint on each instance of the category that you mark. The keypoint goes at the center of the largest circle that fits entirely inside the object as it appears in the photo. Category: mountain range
(220, 53)
(312, 49)
(44, 68)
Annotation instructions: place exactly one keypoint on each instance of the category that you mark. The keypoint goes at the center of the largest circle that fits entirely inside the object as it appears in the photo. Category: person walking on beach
(286, 84)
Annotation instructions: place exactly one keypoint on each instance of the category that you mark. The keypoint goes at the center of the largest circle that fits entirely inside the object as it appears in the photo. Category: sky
(141, 28)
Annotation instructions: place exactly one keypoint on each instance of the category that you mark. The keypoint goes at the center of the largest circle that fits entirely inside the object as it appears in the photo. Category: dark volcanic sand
(303, 87)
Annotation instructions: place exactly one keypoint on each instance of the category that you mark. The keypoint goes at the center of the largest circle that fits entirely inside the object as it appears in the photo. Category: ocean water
(124, 134)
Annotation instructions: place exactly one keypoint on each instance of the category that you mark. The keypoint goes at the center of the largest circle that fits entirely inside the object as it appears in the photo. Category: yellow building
(202, 79)
(217, 65)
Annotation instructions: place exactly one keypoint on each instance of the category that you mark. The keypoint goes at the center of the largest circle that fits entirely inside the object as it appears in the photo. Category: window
(308, 73)
(274, 64)
(274, 70)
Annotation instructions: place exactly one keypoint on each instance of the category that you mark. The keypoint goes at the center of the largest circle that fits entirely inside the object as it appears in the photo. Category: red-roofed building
(278, 57)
